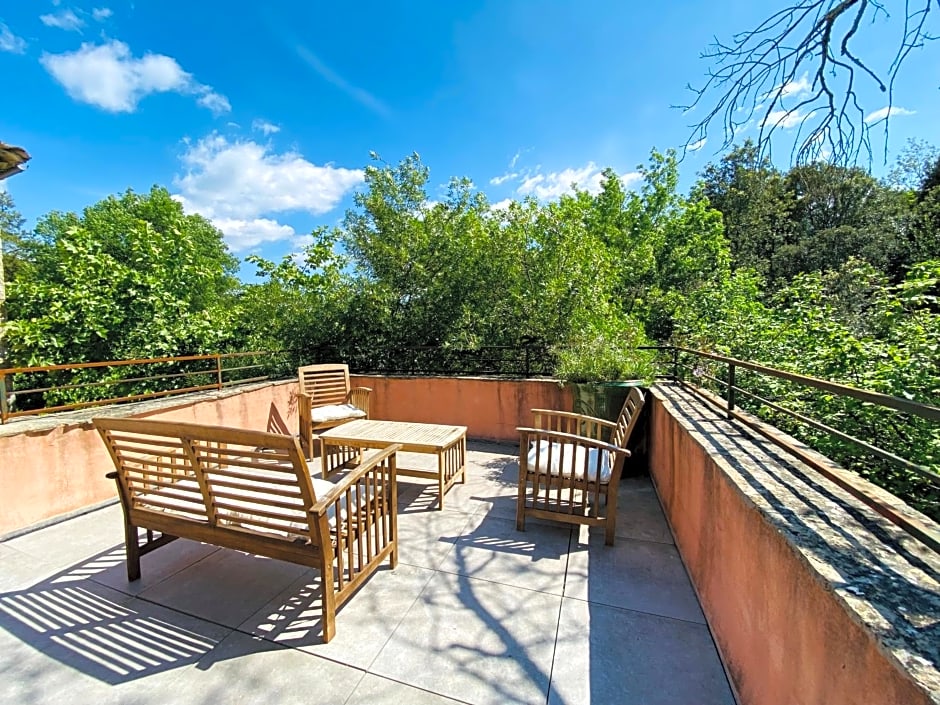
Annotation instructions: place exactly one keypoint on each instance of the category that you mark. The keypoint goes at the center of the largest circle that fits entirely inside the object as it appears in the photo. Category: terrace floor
(476, 612)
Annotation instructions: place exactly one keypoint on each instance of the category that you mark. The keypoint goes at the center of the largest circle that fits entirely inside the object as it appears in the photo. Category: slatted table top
(413, 436)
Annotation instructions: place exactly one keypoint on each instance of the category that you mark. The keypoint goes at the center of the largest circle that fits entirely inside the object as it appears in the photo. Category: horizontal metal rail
(899, 403)
(218, 370)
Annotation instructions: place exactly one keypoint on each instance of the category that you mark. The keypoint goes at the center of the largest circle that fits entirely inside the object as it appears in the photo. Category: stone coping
(40, 423)
(885, 579)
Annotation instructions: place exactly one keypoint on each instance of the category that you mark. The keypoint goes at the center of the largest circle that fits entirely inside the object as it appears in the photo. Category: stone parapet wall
(811, 596)
(54, 465)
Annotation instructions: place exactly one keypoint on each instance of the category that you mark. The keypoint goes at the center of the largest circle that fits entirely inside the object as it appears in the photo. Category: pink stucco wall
(491, 409)
(55, 469)
(59, 467)
(782, 633)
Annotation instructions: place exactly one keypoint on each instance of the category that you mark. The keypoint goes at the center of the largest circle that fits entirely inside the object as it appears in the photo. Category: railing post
(3, 398)
(730, 389)
(218, 370)
(675, 363)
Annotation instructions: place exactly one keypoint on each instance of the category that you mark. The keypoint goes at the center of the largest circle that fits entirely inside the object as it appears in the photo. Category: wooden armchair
(570, 465)
(325, 400)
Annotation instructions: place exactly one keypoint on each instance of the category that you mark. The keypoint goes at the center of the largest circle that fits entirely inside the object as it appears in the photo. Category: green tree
(132, 276)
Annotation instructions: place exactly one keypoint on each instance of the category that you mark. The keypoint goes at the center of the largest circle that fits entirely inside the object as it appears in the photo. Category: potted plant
(601, 364)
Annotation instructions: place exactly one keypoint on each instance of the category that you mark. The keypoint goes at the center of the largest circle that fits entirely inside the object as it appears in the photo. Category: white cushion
(335, 412)
(568, 460)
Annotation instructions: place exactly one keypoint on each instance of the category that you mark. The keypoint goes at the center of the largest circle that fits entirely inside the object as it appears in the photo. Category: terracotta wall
(58, 469)
(782, 634)
(491, 409)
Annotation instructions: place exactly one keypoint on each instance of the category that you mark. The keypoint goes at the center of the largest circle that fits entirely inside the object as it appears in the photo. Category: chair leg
(610, 527)
(520, 506)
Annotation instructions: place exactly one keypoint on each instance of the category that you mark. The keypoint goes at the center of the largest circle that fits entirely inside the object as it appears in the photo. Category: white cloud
(796, 88)
(497, 180)
(10, 42)
(235, 184)
(501, 205)
(216, 102)
(66, 19)
(695, 146)
(887, 112)
(545, 186)
(101, 13)
(786, 119)
(358, 94)
(109, 77)
(265, 127)
(243, 235)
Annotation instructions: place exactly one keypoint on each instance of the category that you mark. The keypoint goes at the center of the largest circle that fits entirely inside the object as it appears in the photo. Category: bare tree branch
(797, 69)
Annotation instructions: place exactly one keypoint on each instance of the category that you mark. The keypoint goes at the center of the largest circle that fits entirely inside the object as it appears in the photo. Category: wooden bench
(251, 491)
(325, 400)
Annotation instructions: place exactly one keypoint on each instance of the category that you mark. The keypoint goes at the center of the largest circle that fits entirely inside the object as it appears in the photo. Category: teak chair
(569, 463)
(325, 400)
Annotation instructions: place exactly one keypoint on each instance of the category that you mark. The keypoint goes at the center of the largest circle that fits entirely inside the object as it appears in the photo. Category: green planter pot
(604, 400)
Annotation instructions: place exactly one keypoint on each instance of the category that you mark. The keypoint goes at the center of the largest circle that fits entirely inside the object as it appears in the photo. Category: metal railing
(27, 391)
(687, 368)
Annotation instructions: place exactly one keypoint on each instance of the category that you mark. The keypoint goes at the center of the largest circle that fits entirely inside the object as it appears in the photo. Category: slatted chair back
(325, 384)
(225, 477)
(627, 420)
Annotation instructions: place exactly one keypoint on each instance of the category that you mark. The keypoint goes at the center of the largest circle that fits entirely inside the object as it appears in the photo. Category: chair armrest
(561, 437)
(359, 398)
(572, 415)
(353, 478)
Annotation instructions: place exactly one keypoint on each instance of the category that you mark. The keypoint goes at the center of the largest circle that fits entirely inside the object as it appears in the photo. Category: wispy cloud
(265, 127)
(786, 119)
(360, 95)
(10, 42)
(109, 77)
(695, 146)
(887, 112)
(64, 19)
(796, 88)
(101, 13)
(239, 185)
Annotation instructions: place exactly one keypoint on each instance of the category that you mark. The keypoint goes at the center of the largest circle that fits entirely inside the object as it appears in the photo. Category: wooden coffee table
(448, 443)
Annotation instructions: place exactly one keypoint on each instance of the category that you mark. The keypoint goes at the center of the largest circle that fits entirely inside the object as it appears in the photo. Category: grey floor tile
(19, 570)
(373, 690)
(70, 542)
(639, 513)
(363, 624)
(155, 567)
(474, 641)
(609, 655)
(491, 548)
(226, 587)
(640, 575)
(425, 538)
(246, 669)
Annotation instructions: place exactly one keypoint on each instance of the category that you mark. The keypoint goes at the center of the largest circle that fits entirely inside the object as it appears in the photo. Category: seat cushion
(335, 412)
(570, 460)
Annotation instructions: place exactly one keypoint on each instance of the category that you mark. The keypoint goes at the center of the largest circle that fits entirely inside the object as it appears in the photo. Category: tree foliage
(132, 276)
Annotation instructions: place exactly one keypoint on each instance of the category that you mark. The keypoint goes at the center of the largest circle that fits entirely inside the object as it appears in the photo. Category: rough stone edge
(44, 423)
(904, 652)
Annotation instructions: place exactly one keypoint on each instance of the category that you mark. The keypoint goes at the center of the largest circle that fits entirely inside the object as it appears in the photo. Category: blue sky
(261, 116)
